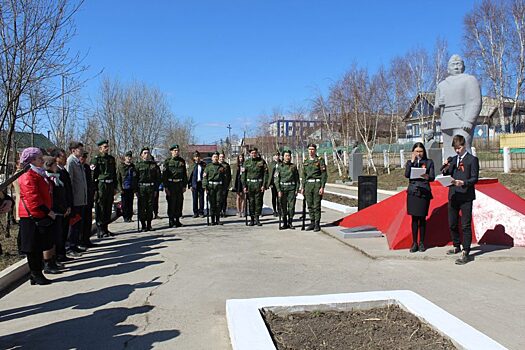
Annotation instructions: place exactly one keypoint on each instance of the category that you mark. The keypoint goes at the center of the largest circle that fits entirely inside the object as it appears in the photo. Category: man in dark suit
(195, 183)
(464, 169)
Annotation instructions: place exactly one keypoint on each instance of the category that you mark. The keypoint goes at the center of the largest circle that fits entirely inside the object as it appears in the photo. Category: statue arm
(472, 102)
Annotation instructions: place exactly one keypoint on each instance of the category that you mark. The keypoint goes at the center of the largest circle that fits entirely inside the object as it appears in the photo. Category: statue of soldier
(314, 181)
(104, 170)
(254, 180)
(213, 182)
(175, 180)
(286, 181)
(126, 175)
(226, 184)
(458, 99)
(148, 179)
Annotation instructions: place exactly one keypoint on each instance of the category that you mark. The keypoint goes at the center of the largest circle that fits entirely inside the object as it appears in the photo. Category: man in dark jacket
(125, 177)
(196, 173)
(464, 169)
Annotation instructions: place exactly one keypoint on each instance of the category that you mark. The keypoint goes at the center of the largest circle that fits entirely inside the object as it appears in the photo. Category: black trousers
(198, 199)
(274, 198)
(454, 207)
(34, 261)
(127, 203)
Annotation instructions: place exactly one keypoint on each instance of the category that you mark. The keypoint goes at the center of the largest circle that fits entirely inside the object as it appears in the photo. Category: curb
(355, 188)
(345, 209)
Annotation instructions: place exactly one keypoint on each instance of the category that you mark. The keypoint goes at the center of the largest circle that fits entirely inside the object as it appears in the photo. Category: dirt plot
(8, 243)
(351, 202)
(379, 328)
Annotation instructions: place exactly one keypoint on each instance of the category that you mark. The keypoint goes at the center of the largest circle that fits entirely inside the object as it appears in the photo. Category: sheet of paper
(445, 180)
(415, 173)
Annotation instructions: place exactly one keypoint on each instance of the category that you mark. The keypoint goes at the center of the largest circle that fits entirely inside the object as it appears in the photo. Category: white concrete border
(13, 273)
(334, 206)
(355, 188)
(248, 330)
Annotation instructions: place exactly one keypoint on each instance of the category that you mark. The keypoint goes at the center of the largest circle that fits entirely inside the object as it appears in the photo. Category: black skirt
(417, 206)
(32, 238)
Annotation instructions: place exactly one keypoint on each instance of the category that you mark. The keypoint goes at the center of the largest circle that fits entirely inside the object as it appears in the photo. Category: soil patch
(8, 242)
(379, 328)
(351, 202)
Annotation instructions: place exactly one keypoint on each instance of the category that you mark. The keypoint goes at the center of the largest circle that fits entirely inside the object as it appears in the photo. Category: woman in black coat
(419, 194)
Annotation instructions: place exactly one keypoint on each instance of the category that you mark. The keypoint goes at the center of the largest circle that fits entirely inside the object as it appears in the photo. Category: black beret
(312, 145)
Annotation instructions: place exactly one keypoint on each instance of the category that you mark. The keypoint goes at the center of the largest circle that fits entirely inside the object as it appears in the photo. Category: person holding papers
(464, 169)
(420, 172)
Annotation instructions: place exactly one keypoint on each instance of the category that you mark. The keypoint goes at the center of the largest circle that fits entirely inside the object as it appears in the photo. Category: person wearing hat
(314, 180)
(272, 168)
(88, 218)
(148, 179)
(175, 180)
(213, 182)
(254, 179)
(227, 182)
(104, 168)
(195, 183)
(126, 176)
(286, 180)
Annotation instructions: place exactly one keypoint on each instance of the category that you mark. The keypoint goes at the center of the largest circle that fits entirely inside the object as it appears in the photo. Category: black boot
(38, 278)
(257, 222)
(177, 222)
(218, 220)
(171, 222)
(149, 226)
(290, 224)
(252, 221)
(317, 226)
(50, 268)
(108, 232)
(311, 226)
(100, 232)
(284, 223)
(143, 226)
(413, 248)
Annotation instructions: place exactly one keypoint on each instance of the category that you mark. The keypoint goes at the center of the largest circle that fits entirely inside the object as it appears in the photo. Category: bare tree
(33, 51)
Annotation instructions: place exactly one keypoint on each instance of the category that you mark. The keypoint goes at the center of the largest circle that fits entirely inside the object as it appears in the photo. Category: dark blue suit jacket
(192, 178)
(468, 172)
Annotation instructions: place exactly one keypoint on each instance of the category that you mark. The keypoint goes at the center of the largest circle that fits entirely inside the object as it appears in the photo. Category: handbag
(44, 222)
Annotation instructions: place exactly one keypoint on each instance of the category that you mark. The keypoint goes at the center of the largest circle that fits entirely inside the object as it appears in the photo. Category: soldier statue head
(174, 149)
(456, 65)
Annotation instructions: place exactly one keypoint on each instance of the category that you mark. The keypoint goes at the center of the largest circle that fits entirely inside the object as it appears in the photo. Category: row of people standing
(53, 199)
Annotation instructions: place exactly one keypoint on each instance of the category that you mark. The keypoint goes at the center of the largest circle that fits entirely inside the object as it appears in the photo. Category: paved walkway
(167, 289)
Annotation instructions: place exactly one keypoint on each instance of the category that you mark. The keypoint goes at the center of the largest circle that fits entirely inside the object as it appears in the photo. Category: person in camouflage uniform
(213, 182)
(175, 180)
(226, 184)
(286, 181)
(125, 178)
(273, 166)
(314, 180)
(254, 179)
(148, 179)
(104, 170)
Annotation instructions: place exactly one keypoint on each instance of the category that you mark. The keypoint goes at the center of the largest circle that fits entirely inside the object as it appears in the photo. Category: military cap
(312, 145)
(144, 149)
(287, 151)
(196, 154)
(129, 154)
(253, 149)
(216, 153)
(101, 142)
(174, 146)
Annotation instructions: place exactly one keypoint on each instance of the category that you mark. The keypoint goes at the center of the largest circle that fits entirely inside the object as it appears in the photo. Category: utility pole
(229, 139)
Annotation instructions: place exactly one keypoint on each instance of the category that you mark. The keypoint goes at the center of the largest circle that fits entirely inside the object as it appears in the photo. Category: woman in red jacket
(35, 209)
